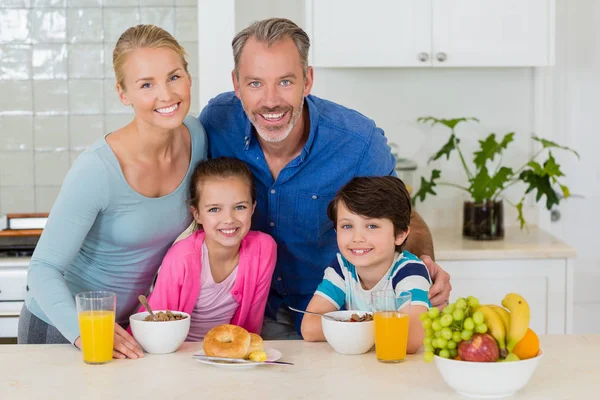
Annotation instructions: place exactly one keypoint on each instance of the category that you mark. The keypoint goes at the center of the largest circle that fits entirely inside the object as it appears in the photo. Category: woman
(122, 204)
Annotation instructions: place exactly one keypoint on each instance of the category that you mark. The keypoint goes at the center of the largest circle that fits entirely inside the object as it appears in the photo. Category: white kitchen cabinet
(492, 33)
(543, 283)
(431, 33)
(378, 33)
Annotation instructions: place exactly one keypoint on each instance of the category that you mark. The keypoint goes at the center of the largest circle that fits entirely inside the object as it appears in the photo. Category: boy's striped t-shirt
(342, 287)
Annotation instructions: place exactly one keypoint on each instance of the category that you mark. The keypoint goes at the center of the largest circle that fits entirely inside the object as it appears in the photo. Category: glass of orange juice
(96, 312)
(390, 313)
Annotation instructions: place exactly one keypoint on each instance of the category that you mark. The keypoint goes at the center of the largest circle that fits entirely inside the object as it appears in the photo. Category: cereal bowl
(487, 380)
(348, 337)
(159, 337)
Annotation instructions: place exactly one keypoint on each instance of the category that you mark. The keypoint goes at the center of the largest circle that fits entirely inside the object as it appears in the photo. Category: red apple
(480, 348)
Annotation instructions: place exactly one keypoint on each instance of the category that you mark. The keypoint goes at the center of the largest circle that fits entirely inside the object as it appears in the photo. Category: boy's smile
(361, 251)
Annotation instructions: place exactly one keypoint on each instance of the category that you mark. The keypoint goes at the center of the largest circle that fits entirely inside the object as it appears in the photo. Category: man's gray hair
(271, 31)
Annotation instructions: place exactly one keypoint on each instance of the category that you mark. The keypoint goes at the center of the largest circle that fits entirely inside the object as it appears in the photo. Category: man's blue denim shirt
(342, 144)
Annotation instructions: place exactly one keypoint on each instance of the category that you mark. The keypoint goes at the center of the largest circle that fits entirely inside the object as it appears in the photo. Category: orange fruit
(528, 347)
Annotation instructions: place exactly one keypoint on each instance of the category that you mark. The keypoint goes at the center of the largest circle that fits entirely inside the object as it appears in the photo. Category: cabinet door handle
(441, 57)
(423, 57)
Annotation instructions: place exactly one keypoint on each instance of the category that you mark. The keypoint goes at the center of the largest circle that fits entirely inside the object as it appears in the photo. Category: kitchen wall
(57, 87)
(569, 109)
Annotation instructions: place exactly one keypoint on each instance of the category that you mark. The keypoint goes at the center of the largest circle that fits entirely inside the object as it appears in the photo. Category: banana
(504, 316)
(519, 318)
(496, 326)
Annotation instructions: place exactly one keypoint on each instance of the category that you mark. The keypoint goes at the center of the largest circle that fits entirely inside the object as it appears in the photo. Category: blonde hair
(271, 31)
(143, 36)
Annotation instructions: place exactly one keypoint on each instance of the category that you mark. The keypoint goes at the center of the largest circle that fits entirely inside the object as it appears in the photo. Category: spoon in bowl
(329, 317)
(144, 302)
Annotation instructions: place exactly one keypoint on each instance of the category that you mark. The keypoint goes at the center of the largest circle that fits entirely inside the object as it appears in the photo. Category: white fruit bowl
(348, 337)
(159, 337)
(487, 380)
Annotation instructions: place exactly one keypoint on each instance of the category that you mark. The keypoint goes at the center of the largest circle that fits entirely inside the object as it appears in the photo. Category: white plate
(272, 355)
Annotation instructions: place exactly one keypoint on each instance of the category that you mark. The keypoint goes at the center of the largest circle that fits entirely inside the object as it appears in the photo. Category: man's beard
(274, 134)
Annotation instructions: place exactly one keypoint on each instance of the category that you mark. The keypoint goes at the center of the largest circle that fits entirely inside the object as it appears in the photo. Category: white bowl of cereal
(348, 336)
(163, 336)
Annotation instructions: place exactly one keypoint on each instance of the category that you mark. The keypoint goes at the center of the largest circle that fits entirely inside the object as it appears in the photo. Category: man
(301, 149)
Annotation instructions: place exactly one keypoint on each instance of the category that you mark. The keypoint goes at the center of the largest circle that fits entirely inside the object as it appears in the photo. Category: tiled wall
(57, 86)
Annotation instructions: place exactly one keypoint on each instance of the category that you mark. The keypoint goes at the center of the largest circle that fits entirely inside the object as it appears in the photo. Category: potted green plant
(487, 179)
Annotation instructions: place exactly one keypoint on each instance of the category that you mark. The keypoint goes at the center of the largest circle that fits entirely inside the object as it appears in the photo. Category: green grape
(433, 312)
(449, 309)
(451, 345)
(469, 324)
(437, 334)
(428, 332)
(453, 353)
(423, 316)
(447, 333)
(456, 336)
(434, 343)
(428, 347)
(481, 328)
(442, 343)
(445, 354)
(436, 325)
(458, 315)
(427, 323)
(461, 303)
(427, 340)
(466, 334)
(473, 302)
(478, 317)
(446, 320)
(428, 356)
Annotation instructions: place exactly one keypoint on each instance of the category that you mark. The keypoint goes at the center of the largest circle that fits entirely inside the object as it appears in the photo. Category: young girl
(221, 273)
(372, 218)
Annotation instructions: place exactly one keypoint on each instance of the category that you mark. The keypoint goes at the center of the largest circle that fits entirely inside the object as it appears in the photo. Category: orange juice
(97, 335)
(391, 335)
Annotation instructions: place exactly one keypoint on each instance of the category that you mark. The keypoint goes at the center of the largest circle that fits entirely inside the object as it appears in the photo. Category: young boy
(372, 218)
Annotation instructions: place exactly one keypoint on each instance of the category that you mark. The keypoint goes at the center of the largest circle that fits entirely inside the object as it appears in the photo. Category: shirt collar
(313, 117)
(248, 131)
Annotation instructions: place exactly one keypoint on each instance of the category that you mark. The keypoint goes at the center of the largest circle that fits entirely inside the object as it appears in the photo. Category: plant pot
(483, 221)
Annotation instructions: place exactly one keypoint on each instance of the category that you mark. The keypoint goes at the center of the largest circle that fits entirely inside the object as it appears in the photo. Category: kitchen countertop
(569, 370)
(450, 245)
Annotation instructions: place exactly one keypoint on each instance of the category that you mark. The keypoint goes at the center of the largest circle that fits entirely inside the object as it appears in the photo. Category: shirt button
(284, 294)
(314, 196)
(236, 293)
(272, 223)
(279, 278)
(272, 191)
